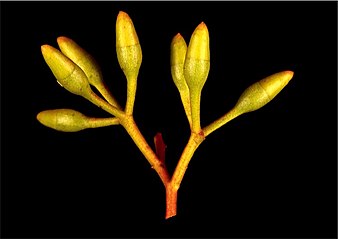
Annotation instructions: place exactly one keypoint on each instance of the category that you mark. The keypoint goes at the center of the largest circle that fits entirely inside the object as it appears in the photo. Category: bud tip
(45, 49)
(290, 73)
(178, 36)
(62, 39)
(123, 15)
(38, 117)
(202, 26)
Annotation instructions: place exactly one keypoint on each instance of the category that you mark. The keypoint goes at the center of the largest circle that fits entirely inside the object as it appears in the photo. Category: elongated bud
(128, 48)
(68, 120)
(197, 62)
(88, 64)
(129, 55)
(65, 120)
(196, 70)
(253, 98)
(178, 50)
(67, 73)
(262, 92)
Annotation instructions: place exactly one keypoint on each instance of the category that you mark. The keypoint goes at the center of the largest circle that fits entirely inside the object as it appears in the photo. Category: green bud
(68, 120)
(67, 73)
(128, 49)
(88, 64)
(65, 120)
(262, 92)
(178, 51)
(197, 62)
(253, 98)
(129, 55)
(196, 70)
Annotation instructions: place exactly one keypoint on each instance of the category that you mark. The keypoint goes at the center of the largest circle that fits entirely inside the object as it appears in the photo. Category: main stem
(172, 188)
(172, 184)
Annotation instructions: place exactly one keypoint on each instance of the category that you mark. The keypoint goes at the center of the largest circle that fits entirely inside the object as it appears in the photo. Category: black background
(269, 173)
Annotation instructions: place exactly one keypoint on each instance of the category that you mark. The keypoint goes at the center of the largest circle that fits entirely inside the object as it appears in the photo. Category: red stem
(171, 202)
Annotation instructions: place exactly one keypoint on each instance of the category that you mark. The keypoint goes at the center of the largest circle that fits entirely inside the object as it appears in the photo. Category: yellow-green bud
(262, 92)
(128, 49)
(67, 73)
(196, 70)
(253, 98)
(65, 120)
(197, 62)
(88, 64)
(68, 120)
(81, 58)
(178, 50)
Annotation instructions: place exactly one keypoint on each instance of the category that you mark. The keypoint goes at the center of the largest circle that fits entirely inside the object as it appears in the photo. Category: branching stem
(129, 124)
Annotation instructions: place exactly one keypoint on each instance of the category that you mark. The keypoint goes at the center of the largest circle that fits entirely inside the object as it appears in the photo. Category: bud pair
(67, 73)
(74, 67)
(190, 68)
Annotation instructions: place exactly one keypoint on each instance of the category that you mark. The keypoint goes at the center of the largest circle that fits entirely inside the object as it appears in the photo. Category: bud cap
(67, 73)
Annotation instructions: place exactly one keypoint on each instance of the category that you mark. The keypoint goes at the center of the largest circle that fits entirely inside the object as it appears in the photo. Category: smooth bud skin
(88, 65)
(178, 51)
(67, 73)
(197, 62)
(65, 120)
(128, 49)
(81, 58)
(262, 92)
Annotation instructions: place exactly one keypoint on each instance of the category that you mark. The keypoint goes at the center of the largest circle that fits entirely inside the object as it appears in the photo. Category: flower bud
(197, 62)
(65, 120)
(128, 49)
(67, 73)
(68, 120)
(88, 64)
(196, 70)
(262, 92)
(178, 51)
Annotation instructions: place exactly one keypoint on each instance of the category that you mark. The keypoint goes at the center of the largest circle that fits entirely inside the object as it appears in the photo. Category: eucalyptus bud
(88, 64)
(196, 70)
(68, 120)
(262, 92)
(129, 55)
(128, 47)
(178, 51)
(66, 72)
(197, 62)
(253, 98)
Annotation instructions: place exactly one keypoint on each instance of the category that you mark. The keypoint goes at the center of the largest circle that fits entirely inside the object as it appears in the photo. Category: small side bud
(178, 50)
(67, 73)
(65, 120)
(68, 120)
(262, 92)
